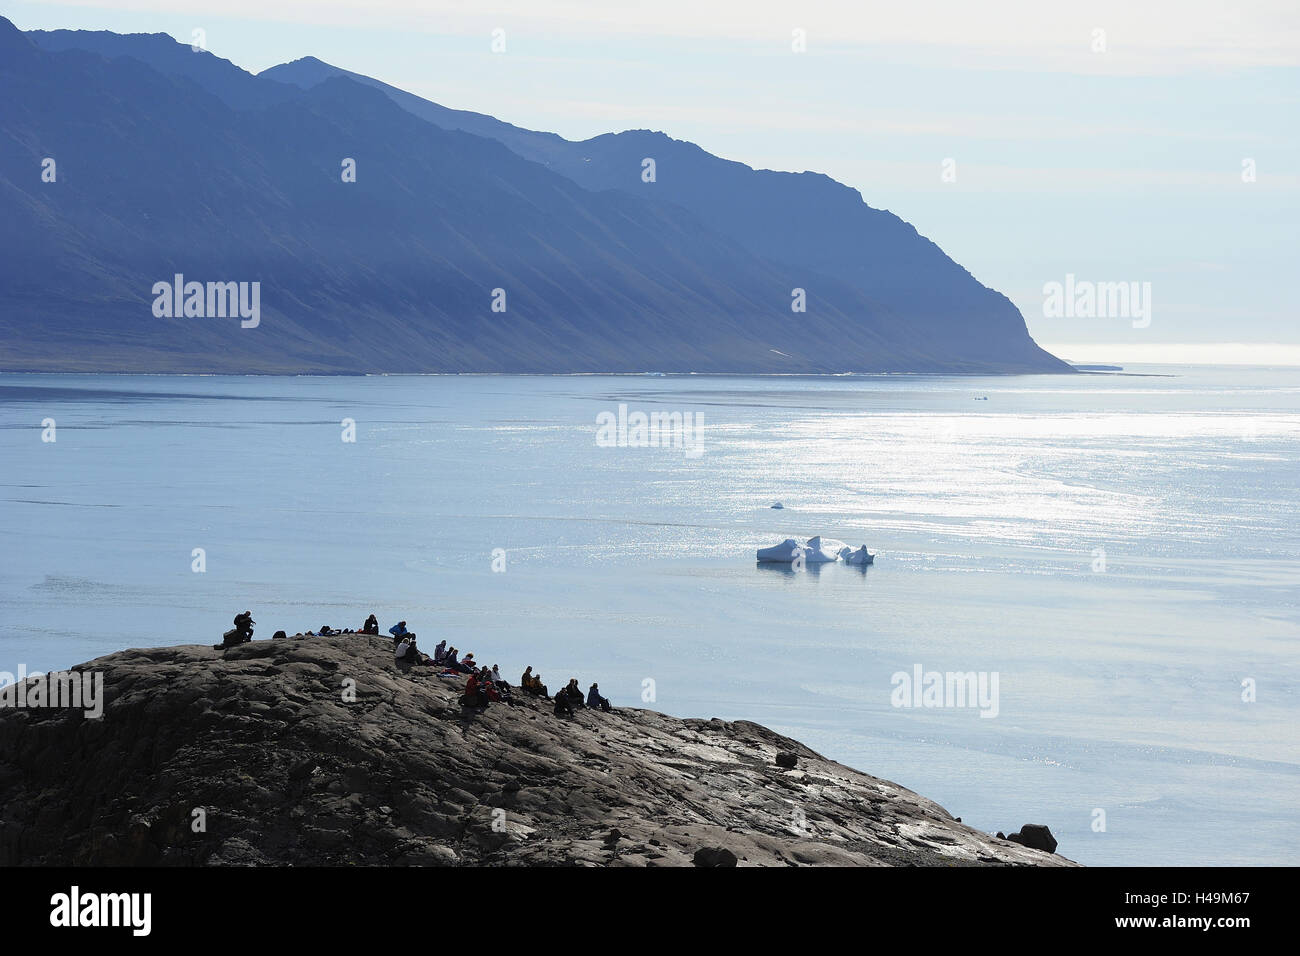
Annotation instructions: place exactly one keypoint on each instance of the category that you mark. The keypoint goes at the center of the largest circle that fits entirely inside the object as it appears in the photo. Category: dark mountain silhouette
(171, 161)
(805, 219)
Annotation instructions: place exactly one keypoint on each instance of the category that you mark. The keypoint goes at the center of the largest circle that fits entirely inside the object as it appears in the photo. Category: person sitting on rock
(563, 703)
(502, 685)
(595, 701)
(533, 684)
(469, 665)
(241, 633)
(403, 651)
(415, 655)
(449, 661)
(574, 693)
(526, 681)
(477, 693)
(440, 651)
(398, 631)
(471, 696)
(371, 626)
(502, 688)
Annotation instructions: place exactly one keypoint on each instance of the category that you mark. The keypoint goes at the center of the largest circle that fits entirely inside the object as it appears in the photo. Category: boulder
(1036, 836)
(715, 856)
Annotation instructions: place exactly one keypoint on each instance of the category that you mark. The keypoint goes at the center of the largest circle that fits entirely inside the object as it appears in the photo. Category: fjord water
(1121, 551)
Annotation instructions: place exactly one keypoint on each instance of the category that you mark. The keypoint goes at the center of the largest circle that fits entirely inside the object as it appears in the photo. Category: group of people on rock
(370, 627)
(569, 698)
(448, 658)
(485, 684)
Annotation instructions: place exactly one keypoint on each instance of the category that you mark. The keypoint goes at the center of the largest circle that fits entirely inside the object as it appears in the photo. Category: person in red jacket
(489, 686)
(477, 692)
(471, 698)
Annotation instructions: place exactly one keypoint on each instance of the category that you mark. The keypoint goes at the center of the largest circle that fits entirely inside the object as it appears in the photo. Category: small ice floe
(778, 506)
(783, 553)
(860, 557)
(824, 550)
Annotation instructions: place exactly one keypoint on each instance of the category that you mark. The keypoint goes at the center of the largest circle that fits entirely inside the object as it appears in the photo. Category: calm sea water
(1121, 551)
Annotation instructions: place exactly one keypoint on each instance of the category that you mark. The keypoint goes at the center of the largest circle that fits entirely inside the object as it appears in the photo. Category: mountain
(805, 219)
(547, 148)
(235, 87)
(170, 161)
(288, 771)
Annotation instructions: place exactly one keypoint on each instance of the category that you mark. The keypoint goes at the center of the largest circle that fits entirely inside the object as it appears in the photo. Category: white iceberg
(778, 506)
(783, 553)
(818, 550)
(823, 550)
(860, 556)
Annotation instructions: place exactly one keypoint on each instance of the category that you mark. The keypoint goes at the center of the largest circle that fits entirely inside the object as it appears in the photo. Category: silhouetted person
(563, 703)
(574, 693)
(241, 633)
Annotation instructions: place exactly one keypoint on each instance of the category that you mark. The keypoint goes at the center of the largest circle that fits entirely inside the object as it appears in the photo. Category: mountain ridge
(207, 171)
(614, 160)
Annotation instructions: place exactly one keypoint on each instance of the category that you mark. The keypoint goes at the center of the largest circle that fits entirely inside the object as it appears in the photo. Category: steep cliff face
(451, 251)
(320, 751)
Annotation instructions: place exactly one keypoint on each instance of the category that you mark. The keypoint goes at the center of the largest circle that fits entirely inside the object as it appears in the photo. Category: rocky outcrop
(320, 751)
(1036, 836)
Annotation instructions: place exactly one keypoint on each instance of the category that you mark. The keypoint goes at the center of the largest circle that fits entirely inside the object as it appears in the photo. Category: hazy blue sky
(1115, 164)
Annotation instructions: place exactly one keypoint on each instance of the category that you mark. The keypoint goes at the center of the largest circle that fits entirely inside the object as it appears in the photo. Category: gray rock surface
(261, 745)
